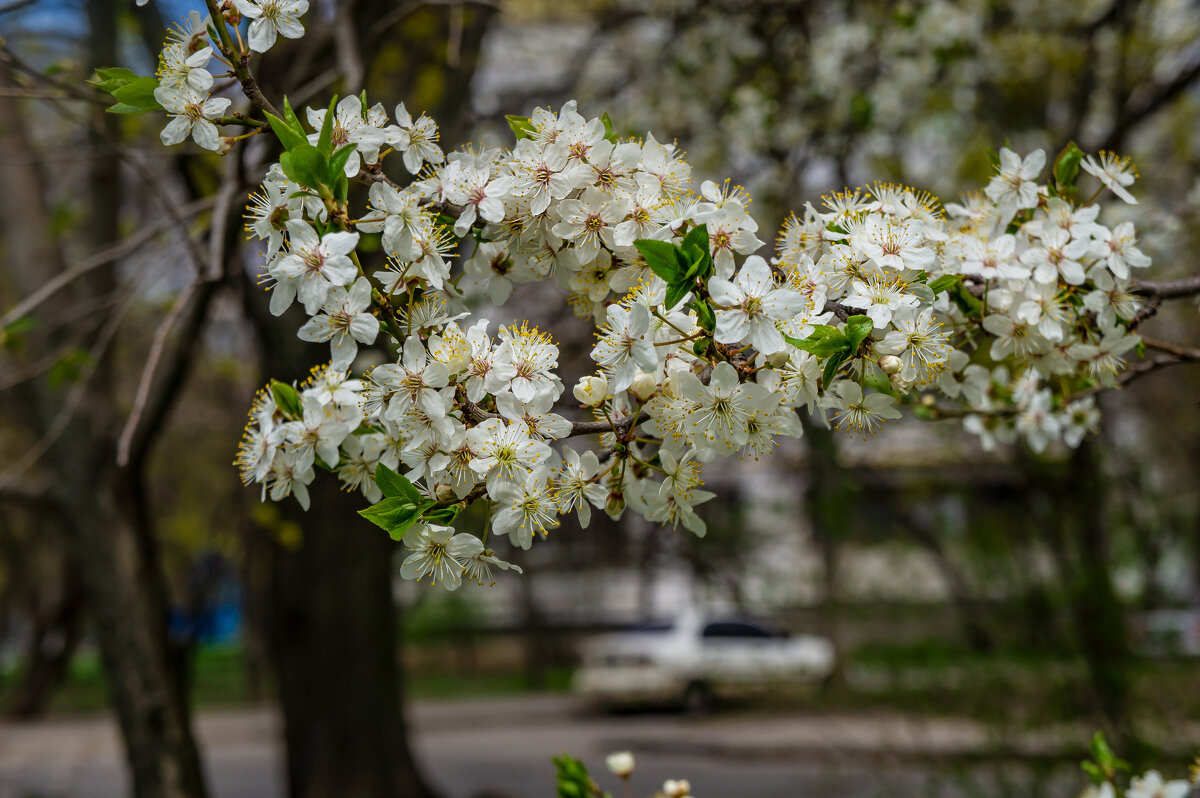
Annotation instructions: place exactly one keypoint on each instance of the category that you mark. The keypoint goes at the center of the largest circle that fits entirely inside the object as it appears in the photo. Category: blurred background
(163, 632)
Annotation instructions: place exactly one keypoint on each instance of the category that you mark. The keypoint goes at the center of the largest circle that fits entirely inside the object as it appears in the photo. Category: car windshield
(741, 629)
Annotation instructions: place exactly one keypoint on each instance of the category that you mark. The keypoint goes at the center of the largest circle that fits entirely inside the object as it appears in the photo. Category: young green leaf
(293, 121)
(825, 341)
(394, 516)
(676, 291)
(139, 94)
(287, 136)
(1066, 166)
(521, 127)
(966, 301)
(395, 486)
(857, 330)
(831, 366)
(309, 166)
(608, 127)
(112, 78)
(660, 256)
(337, 164)
(286, 399)
(325, 137)
(126, 109)
(695, 250)
(443, 515)
(945, 282)
(572, 779)
(705, 316)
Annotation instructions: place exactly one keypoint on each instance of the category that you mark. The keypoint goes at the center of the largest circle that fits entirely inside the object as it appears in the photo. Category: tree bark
(334, 643)
(332, 624)
(106, 520)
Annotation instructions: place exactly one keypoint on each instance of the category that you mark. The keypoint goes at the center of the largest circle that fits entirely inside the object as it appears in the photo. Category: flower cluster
(1008, 311)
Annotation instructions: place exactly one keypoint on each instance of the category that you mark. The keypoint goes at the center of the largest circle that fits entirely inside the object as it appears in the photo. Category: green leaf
(705, 316)
(676, 292)
(1093, 771)
(395, 486)
(286, 399)
(831, 366)
(967, 302)
(608, 127)
(69, 368)
(112, 78)
(342, 187)
(288, 137)
(337, 164)
(571, 779)
(443, 515)
(293, 121)
(137, 94)
(945, 282)
(825, 341)
(857, 330)
(309, 167)
(394, 516)
(695, 249)
(125, 108)
(661, 257)
(12, 335)
(1066, 166)
(521, 127)
(325, 137)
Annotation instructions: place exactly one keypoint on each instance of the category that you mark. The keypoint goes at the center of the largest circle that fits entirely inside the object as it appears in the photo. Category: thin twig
(154, 358)
(105, 256)
(67, 411)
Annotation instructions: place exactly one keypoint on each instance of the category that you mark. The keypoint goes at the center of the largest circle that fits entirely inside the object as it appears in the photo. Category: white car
(696, 659)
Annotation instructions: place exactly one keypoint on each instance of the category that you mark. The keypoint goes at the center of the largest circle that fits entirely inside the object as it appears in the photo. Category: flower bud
(444, 492)
(620, 763)
(226, 145)
(591, 390)
(230, 13)
(614, 505)
(673, 788)
(643, 386)
(890, 364)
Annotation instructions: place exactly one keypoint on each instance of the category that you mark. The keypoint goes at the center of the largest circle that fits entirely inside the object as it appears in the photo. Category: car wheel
(697, 699)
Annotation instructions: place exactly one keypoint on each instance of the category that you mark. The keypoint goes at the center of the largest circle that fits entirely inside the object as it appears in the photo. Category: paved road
(502, 747)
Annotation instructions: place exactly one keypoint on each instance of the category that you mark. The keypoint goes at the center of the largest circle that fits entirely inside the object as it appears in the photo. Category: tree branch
(1159, 96)
(1168, 289)
(149, 411)
(105, 256)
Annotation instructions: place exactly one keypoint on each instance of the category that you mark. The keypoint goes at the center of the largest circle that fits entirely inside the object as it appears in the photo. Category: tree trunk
(828, 498)
(334, 644)
(106, 520)
(52, 644)
(129, 604)
(332, 624)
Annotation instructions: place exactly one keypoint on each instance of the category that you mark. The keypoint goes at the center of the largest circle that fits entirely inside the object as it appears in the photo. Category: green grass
(221, 680)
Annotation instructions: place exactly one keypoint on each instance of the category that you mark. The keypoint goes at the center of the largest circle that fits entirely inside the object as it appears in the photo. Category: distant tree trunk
(52, 643)
(1074, 495)
(827, 499)
(1099, 614)
(533, 633)
(973, 628)
(107, 523)
(129, 603)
